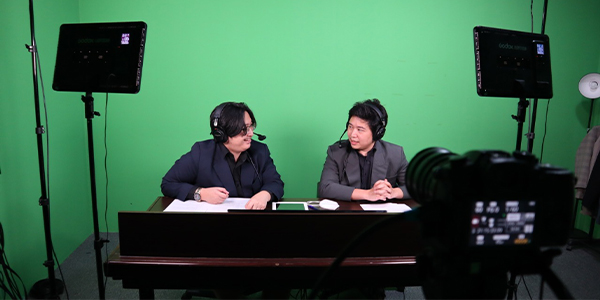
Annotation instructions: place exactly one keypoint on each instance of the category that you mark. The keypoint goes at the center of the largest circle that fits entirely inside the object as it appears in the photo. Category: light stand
(51, 287)
(589, 87)
(523, 103)
(110, 62)
(590, 117)
(520, 118)
(531, 134)
(98, 243)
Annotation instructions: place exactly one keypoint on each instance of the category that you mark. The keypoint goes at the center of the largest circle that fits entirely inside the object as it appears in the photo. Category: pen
(312, 207)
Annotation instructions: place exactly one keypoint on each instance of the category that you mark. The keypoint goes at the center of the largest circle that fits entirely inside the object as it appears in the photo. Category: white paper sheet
(195, 206)
(389, 207)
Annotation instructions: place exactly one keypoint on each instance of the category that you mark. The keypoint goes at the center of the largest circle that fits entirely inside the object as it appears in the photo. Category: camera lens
(421, 171)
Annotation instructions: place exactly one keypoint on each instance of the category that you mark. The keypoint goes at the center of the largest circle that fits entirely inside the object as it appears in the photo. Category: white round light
(589, 86)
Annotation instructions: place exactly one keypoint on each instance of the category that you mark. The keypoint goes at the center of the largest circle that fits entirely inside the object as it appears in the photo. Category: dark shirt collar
(224, 152)
(222, 149)
(241, 159)
(370, 153)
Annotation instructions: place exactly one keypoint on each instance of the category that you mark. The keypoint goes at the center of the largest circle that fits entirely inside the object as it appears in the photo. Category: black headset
(380, 128)
(217, 132)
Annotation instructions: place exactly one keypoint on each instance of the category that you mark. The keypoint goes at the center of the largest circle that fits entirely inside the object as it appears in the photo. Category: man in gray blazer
(364, 167)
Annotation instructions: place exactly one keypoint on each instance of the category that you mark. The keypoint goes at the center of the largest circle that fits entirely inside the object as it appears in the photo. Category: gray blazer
(341, 171)
(585, 158)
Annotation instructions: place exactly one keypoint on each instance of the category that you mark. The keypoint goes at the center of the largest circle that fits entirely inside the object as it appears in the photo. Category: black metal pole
(590, 117)
(531, 133)
(544, 16)
(98, 243)
(48, 288)
(520, 118)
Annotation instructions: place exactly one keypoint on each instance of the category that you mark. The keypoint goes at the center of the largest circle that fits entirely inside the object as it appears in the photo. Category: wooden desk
(162, 202)
(268, 249)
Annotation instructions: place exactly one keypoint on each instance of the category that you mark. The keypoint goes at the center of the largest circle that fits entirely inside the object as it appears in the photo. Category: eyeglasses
(248, 128)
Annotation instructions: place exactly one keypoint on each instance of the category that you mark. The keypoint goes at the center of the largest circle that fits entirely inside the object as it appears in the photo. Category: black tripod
(539, 263)
(51, 287)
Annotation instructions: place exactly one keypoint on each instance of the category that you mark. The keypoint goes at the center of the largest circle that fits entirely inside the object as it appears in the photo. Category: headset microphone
(341, 136)
(253, 165)
(260, 136)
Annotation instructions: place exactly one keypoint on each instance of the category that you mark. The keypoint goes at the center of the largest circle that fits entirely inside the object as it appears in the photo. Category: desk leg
(146, 293)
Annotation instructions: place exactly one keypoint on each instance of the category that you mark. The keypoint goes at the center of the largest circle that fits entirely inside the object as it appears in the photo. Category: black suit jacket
(205, 166)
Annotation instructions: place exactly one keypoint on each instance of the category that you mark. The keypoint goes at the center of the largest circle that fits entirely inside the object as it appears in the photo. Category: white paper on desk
(389, 207)
(195, 206)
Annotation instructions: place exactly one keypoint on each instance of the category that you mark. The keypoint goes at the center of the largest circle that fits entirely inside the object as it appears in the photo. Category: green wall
(300, 65)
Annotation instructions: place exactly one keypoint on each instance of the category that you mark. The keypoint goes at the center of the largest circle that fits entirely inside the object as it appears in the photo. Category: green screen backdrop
(300, 66)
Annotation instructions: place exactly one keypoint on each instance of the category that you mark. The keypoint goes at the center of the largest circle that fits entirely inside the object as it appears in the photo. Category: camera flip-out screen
(495, 223)
(100, 57)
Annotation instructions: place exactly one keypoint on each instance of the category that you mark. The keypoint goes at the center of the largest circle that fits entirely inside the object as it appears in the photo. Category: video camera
(486, 213)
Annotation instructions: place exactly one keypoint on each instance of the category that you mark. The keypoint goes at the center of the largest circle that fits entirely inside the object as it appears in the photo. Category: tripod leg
(512, 288)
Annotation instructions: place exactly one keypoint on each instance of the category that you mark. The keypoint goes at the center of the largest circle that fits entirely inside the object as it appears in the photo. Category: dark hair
(366, 111)
(231, 118)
